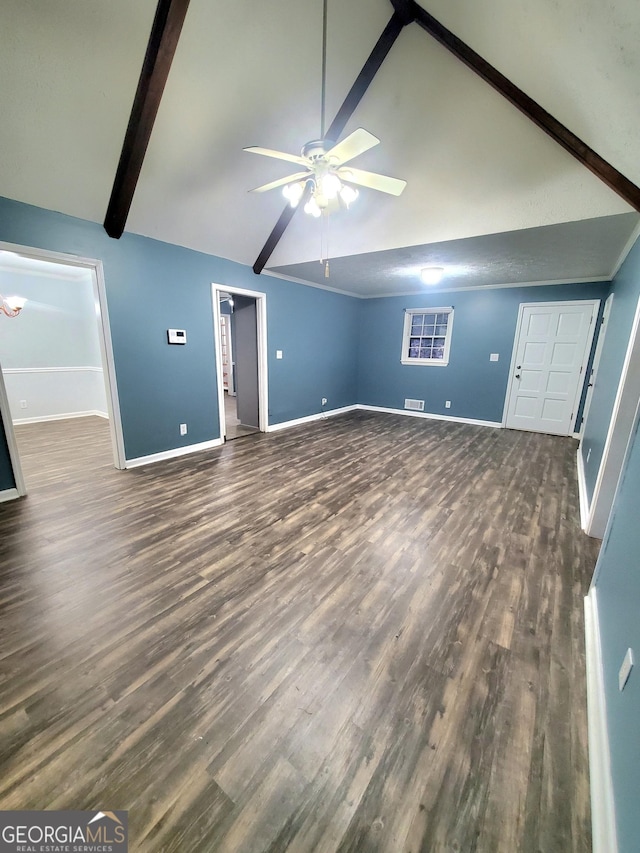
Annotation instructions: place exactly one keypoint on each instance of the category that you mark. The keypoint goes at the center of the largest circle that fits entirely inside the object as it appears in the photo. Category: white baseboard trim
(582, 494)
(172, 454)
(603, 818)
(63, 417)
(9, 495)
(310, 418)
(495, 424)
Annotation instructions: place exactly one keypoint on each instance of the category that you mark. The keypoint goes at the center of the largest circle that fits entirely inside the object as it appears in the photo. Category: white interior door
(547, 369)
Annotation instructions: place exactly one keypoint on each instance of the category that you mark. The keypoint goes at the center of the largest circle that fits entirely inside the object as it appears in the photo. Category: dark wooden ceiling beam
(614, 179)
(406, 9)
(280, 227)
(354, 96)
(165, 32)
(366, 75)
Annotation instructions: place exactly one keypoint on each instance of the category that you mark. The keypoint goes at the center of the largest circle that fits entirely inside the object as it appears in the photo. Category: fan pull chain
(326, 259)
(321, 258)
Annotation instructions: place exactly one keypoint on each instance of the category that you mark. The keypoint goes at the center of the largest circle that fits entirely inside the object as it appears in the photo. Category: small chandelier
(11, 306)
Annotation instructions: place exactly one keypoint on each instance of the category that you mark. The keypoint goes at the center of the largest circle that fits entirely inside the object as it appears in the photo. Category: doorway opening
(57, 380)
(241, 358)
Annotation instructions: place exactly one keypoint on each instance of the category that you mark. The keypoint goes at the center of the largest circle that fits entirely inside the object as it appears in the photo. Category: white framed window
(427, 336)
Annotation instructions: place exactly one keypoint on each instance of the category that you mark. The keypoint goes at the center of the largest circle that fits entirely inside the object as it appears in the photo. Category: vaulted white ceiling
(248, 73)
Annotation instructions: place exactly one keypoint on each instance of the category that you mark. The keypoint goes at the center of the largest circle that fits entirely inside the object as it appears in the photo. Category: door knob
(517, 376)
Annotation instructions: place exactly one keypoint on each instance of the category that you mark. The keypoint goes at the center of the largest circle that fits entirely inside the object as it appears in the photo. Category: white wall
(50, 354)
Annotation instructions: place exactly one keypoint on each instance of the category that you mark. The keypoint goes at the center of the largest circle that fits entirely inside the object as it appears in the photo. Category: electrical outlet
(183, 429)
(23, 404)
(324, 401)
(447, 404)
(278, 353)
(494, 356)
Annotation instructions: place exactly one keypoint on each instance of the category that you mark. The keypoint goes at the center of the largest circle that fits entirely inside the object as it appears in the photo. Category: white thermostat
(176, 336)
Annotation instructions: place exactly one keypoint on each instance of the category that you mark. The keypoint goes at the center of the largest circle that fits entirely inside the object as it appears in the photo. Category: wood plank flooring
(363, 634)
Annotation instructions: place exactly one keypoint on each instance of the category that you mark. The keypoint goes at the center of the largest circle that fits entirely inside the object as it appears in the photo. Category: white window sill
(425, 362)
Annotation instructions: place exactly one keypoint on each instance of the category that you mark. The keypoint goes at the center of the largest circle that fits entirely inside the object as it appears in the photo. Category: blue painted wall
(317, 331)
(626, 290)
(152, 286)
(617, 581)
(484, 322)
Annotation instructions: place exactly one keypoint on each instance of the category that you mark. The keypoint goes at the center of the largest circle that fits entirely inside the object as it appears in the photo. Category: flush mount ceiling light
(432, 275)
(11, 306)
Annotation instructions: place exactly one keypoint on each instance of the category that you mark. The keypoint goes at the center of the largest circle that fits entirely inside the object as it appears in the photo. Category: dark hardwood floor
(364, 634)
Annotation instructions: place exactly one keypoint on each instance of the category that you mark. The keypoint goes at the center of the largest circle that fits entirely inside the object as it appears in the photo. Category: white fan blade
(356, 143)
(279, 155)
(382, 183)
(290, 179)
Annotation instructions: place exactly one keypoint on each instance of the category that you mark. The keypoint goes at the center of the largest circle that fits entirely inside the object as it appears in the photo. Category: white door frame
(263, 371)
(618, 435)
(231, 390)
(606, 313)
(106, 352)
(5, 412)
(594, 303)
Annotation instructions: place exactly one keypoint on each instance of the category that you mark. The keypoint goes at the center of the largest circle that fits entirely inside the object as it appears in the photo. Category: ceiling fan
(326, 174)
(326, 181)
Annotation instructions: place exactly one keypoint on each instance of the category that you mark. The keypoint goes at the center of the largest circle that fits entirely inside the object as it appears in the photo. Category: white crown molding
(508, 286)
(312, 284)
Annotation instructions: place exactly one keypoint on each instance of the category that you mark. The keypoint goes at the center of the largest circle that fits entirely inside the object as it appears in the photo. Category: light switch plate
(625, 669)
(494, 356)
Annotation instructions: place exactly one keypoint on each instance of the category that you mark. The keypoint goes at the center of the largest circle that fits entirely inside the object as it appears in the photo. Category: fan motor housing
(316, 149)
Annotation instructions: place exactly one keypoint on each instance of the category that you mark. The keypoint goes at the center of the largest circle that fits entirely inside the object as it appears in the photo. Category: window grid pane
(428, 335)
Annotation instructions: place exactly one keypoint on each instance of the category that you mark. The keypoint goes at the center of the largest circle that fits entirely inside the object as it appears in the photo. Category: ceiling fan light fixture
(293, 193)
(331, 185)
(432, 275)
(312, 207)
(348, 194)
(11, 306)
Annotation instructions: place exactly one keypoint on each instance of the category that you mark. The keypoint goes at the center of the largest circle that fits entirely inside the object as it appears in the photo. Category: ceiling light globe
(293, 193)
(311, 207)
(348, 194)
(331, 185)
(432, 275)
